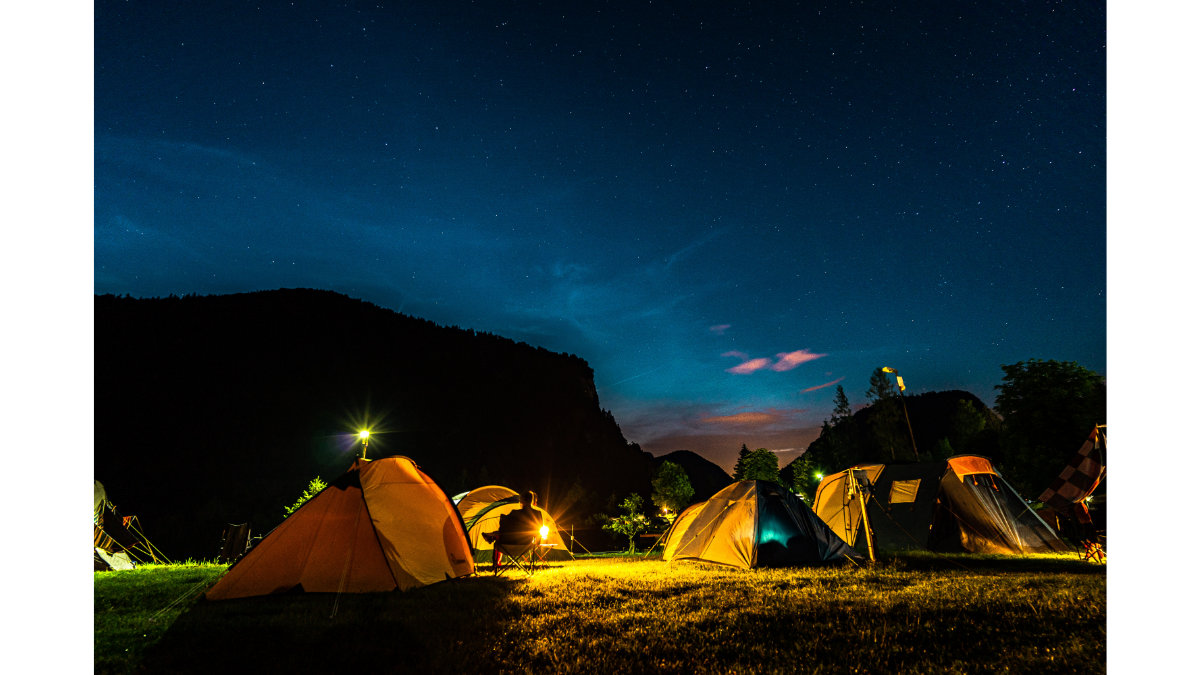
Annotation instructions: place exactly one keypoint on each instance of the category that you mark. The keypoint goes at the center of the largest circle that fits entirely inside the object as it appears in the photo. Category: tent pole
(910, 431)
(862, 502)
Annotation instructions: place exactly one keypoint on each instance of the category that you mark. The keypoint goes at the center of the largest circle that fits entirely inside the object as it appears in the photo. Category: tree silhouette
(739, 469)
(1048, 407)
(671, 486)
(762, 464)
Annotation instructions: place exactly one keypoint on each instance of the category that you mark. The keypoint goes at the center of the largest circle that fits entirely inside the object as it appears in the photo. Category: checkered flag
(1080, 478)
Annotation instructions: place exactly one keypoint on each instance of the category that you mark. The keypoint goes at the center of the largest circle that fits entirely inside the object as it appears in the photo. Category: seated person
(518, 527)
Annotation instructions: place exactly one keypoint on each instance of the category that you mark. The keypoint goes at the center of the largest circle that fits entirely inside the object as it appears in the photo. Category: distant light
(545, 532)
(819, 476)
(364, 433)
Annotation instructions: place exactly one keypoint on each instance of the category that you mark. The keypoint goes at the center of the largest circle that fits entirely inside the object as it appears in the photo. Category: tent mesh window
(904, 491)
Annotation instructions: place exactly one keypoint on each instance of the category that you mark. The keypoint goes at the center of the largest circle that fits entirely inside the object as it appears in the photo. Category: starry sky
(726, 208)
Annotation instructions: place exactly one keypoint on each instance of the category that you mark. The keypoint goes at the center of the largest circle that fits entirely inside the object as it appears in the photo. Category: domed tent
(753, 523)
(958, 505)
(481, 509)
(383, 525)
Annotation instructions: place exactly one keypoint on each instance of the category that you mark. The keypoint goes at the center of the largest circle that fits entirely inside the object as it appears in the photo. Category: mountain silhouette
(219, 409)
(706, 478)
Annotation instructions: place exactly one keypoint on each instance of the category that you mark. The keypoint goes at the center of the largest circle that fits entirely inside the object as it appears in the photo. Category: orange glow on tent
(965, 466)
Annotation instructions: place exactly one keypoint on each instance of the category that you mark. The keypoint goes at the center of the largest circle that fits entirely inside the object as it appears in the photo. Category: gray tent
(962, 504)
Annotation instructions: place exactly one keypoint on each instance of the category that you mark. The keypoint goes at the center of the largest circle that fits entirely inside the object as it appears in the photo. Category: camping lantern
(900, 381)
(365, 436)
(545, 531)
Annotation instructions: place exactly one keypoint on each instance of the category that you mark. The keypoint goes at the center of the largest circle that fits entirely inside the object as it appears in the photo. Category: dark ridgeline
(220, 409)
(706, 478)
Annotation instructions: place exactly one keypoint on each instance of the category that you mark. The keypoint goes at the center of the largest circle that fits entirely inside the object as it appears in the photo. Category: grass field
(910, 614)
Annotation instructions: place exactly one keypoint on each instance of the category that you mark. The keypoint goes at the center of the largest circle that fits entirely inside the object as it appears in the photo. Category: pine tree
(739, 469)
(841, 407)
(885, 422)
(881, 387)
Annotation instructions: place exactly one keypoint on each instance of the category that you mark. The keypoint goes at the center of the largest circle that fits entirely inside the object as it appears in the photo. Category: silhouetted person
(519, 526)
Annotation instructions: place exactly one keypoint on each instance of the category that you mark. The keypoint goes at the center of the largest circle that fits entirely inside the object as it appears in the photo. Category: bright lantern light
(545, 531)
(819, 477)
(364, 433)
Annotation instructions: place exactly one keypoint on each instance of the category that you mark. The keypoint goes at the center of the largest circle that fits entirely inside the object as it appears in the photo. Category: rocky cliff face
(220, 409)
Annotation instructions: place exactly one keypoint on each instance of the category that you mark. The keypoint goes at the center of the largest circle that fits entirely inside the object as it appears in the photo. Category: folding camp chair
(1093, 551)
(520, 553)
(234, 542)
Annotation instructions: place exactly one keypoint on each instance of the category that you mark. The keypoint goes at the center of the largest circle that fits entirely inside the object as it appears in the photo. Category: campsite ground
(916, 613)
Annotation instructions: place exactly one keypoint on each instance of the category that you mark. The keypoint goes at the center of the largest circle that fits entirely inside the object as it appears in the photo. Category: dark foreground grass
(911, 614)
(133, 609)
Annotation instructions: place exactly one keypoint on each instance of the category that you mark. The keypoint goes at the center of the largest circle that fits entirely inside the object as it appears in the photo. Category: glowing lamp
(545, 532)
(820, 477)
(366, 438)
(364, 434)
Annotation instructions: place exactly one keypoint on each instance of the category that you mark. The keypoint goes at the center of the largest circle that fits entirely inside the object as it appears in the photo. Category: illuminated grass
(125, 602)
(916, 613)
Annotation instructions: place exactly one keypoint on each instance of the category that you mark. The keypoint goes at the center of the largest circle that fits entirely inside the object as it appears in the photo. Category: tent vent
(904, 491)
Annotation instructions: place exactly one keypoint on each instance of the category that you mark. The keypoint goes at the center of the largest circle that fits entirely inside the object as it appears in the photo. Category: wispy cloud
(782, 449)
(687, 250)
(719, 329)
(753, 418)
(740, 419)
(822, 386)
(750, 366)
(789, 360)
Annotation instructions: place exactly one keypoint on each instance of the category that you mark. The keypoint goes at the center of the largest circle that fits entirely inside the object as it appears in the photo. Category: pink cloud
(719, 330)
(750, 366)
(741, 355)
(822, 386)
(789, 360)
(743, 418)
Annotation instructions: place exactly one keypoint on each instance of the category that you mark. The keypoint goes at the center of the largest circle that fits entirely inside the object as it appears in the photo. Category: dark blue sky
(721, 206)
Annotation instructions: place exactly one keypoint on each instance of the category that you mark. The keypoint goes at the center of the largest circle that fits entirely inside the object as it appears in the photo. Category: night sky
(725, 208)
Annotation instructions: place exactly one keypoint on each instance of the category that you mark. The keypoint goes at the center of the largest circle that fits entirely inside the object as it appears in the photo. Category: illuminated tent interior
(383, 525)
(958, 505)
(481, 509)
(753, 523)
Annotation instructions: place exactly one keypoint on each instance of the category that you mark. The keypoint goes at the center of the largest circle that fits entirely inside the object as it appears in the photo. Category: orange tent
(384, 525)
